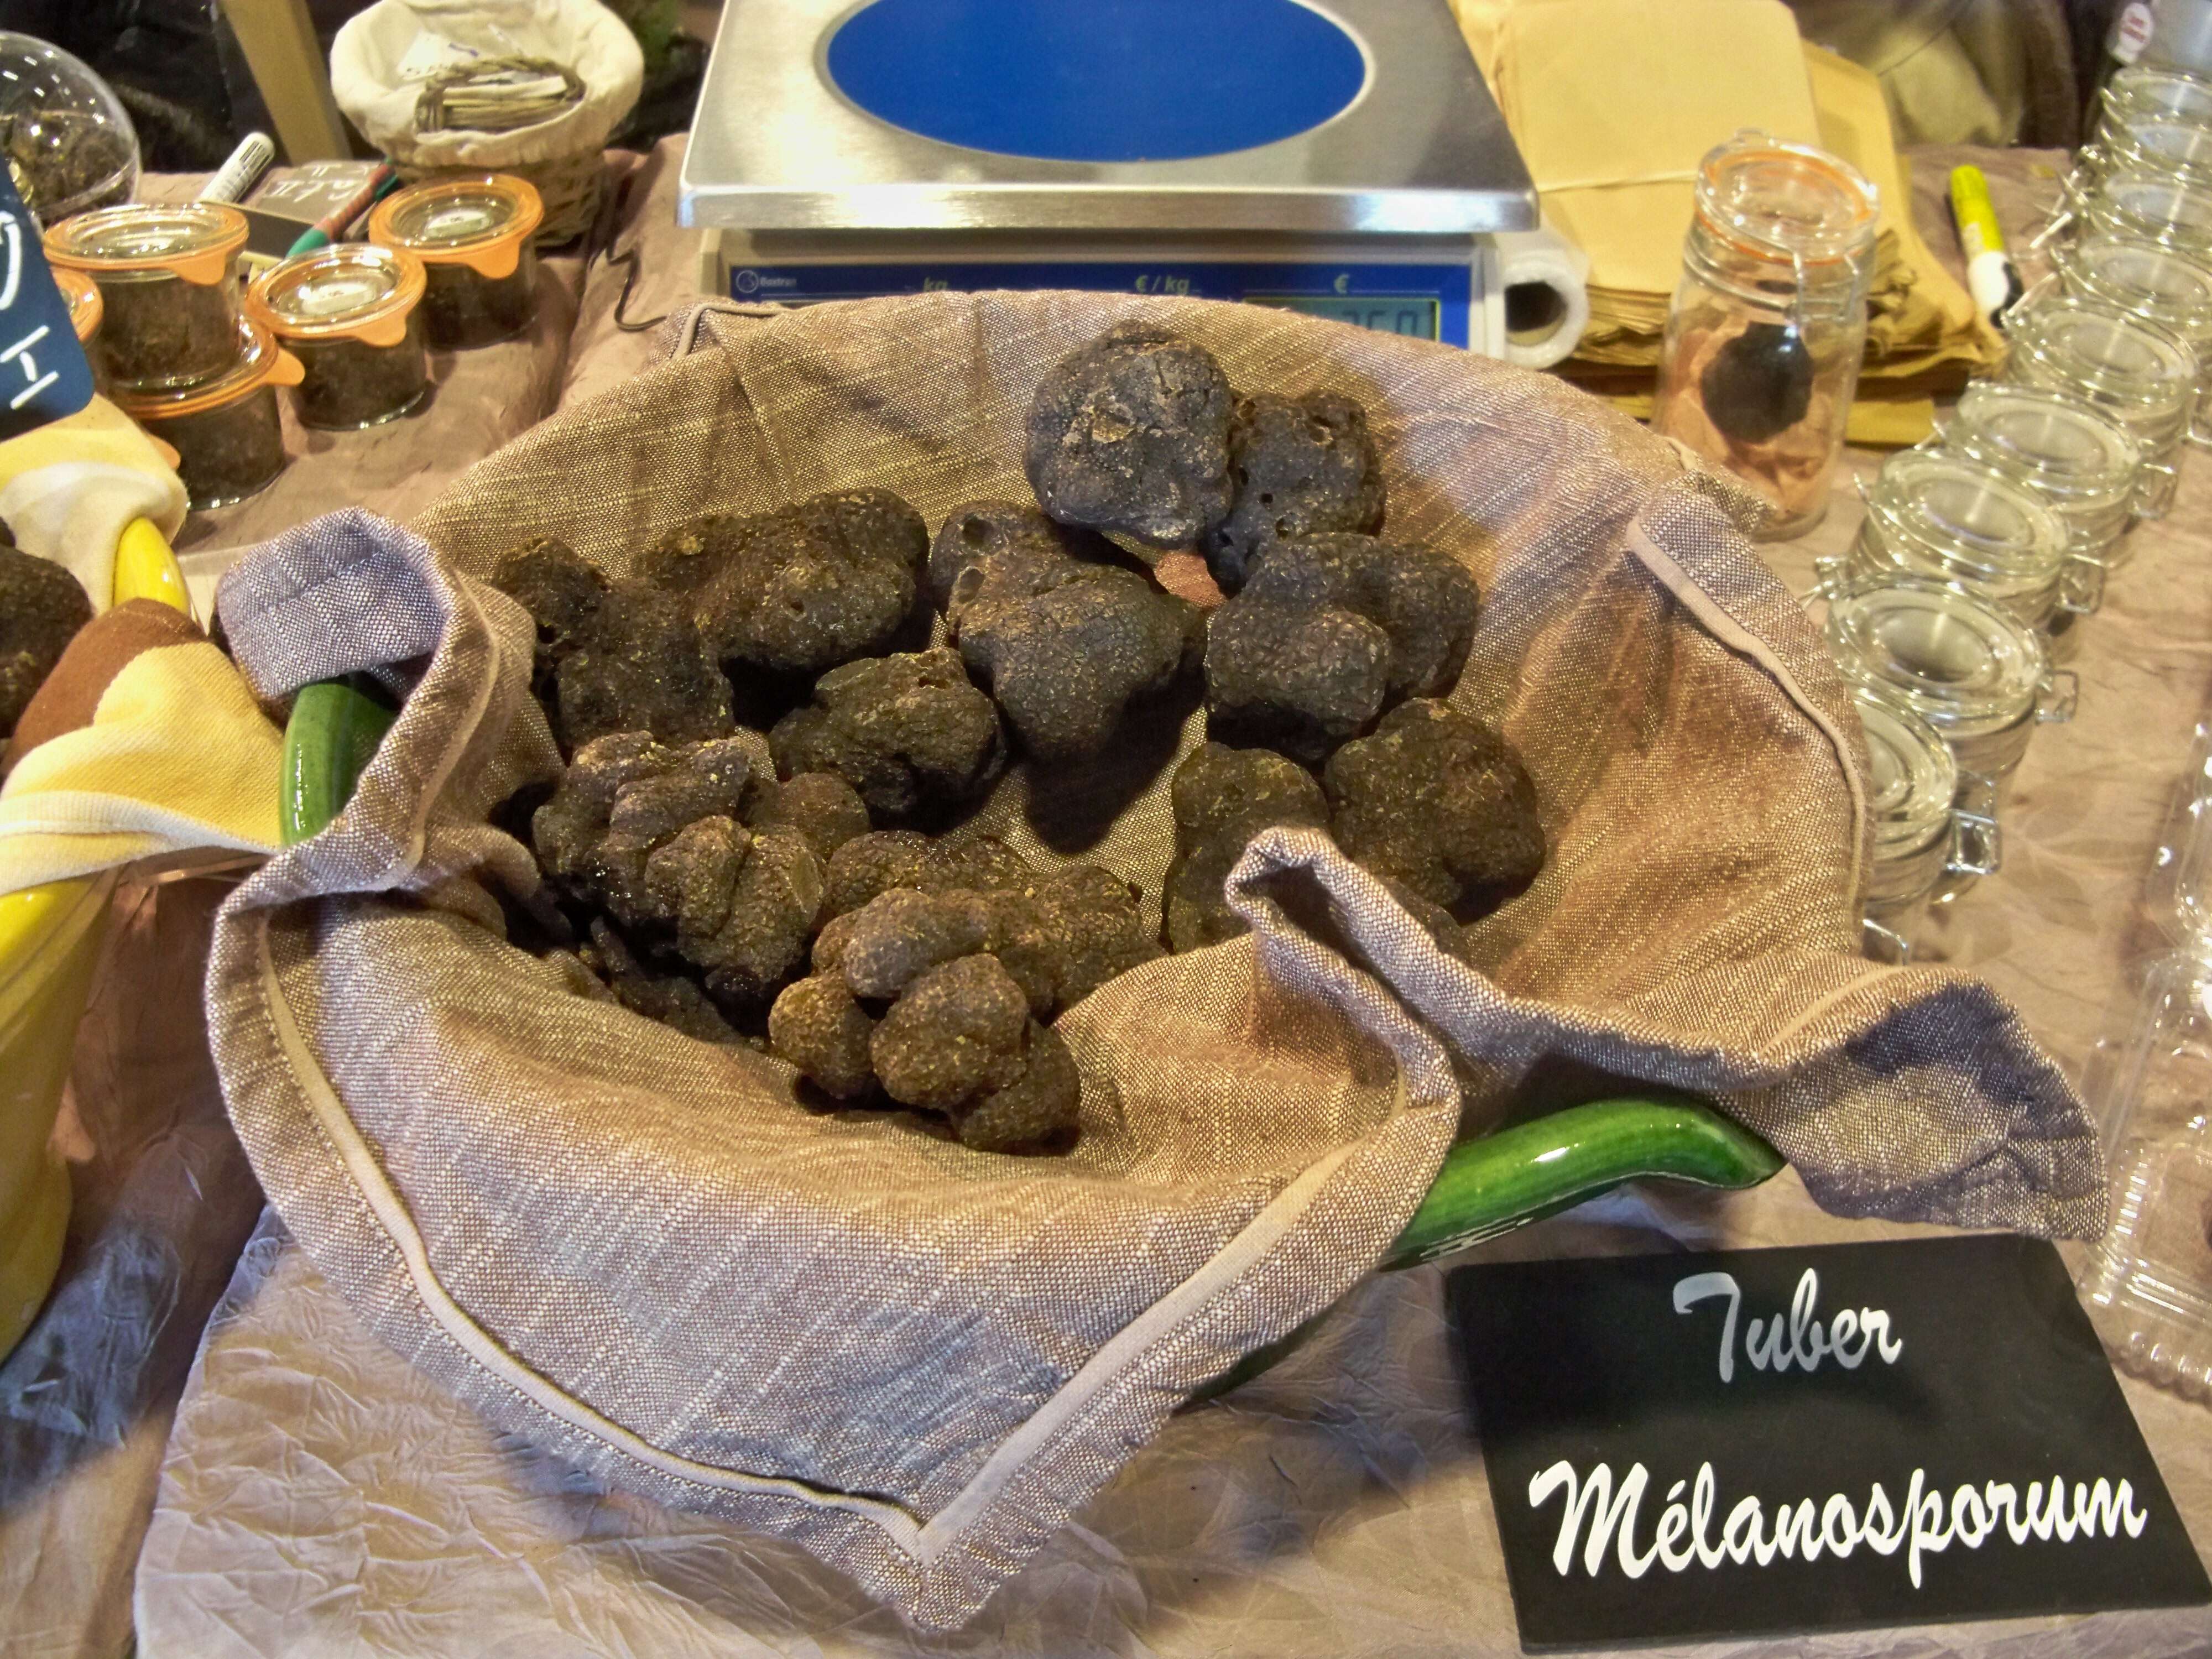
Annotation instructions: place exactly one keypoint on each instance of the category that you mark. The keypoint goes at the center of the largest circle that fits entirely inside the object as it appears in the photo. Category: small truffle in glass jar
(229, 435)
(351, 315)
(168, 289)
(472, 236)
(1765, 330)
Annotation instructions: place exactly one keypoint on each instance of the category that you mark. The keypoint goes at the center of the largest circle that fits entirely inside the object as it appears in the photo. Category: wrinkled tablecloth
(318, 1497)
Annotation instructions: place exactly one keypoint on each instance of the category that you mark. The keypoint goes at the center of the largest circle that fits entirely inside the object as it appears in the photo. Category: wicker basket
(570, 184)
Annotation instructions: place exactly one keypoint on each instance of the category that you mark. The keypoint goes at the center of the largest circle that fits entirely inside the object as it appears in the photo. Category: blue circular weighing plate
(1097, 80)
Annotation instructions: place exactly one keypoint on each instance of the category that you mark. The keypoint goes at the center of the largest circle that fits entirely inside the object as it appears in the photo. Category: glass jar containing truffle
(1951, 520)
(2143, 375)
(2163, 284)
(228, 434)
(472, 236)
(168, 289)
(2081, 464)
(1765, 330)
(351, 315)
(1975, 672)
(82, 295)
(1934, 829)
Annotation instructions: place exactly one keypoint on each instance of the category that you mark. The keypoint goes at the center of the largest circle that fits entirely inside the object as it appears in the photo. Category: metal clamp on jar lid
(2078, 461)
(473, 235)
(349, 312)
(1950, 520)
(1925, 827)
(1974, 672)
(2144, 375)
(228, 434)
(166, 289)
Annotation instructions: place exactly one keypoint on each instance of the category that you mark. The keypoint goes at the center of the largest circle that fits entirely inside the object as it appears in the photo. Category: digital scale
(1341, 158)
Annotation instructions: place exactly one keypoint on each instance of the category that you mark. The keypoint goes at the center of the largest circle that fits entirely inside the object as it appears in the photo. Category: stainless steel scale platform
(842, 151)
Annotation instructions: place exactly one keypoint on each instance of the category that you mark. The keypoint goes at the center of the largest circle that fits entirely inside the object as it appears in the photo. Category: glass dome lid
(1913, 777)
(1964, 667)
(2059, 442)
(2126, 359)
(1950, 513)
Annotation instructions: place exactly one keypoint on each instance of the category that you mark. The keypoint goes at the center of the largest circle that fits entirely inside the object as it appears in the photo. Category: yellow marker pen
(1990, 277)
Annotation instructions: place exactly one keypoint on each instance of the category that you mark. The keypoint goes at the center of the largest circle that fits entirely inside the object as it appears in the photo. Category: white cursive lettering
(1800, 1339)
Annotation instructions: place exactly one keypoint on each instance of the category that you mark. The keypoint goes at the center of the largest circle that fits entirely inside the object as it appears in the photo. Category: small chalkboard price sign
(42, 373)
(1761, 1441)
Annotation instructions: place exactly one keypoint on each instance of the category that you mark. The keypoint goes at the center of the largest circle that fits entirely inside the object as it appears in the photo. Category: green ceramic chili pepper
(329, 742)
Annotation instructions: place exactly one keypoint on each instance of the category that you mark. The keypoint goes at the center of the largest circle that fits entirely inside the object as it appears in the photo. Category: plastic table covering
(318, 1497)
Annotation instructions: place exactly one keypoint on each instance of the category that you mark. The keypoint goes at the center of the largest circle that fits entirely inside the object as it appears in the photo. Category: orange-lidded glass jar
(352, 315)
(82, 295)
(473, 237)
(1766, 330)
(229, 436)
(168, 288)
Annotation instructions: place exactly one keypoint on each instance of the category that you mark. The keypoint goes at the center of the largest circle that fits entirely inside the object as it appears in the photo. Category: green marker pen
(1990, 276)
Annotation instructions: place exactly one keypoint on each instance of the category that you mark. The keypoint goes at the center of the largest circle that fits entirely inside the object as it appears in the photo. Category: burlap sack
(917, 1360)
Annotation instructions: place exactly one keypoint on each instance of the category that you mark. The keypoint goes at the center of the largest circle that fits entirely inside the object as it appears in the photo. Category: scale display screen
(1386, 314)
(1427, 302)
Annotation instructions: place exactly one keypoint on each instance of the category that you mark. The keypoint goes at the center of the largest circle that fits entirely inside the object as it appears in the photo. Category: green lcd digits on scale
(1487, 1185)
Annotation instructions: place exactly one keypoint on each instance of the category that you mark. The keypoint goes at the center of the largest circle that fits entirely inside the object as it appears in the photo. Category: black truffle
(802, 589)
(1328, 632)
(1063, 644)
(1222, 798)
(673, 998)
(875, 863)
(1130, 436)
(819, 806)
(612, 656)
(1759, 383)
(41, 608)
(905, 731)
(1300, 466)
(966, 977)
(1436, 801)
(562, 591)
(650, 834)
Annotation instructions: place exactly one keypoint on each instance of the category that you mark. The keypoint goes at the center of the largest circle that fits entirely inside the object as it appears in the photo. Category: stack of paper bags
(1614, 102)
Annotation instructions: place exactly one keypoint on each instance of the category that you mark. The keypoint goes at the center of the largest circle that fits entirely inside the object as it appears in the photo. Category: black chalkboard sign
(1765, 1441)
(42, 373)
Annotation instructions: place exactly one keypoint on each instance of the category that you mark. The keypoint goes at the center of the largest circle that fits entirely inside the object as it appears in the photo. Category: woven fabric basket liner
(918, 1361)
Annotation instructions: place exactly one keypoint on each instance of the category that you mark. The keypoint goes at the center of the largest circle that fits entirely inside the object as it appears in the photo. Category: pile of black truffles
(41, 608)
(837, 910)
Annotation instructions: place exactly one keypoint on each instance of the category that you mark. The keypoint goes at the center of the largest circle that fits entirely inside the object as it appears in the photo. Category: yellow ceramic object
(50, 938)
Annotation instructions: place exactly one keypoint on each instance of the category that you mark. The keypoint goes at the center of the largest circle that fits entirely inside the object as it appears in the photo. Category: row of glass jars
(196, 360)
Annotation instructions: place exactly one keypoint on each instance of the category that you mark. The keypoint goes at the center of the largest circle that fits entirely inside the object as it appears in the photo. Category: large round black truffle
(1759, 383)
(1130, 436)
(612, 656)
(1300, 466)
(1329, 631)
(905, 731)
(802, 589)
(1439, 802)
(41, 608)
(1066, 645)
(1222, 798)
